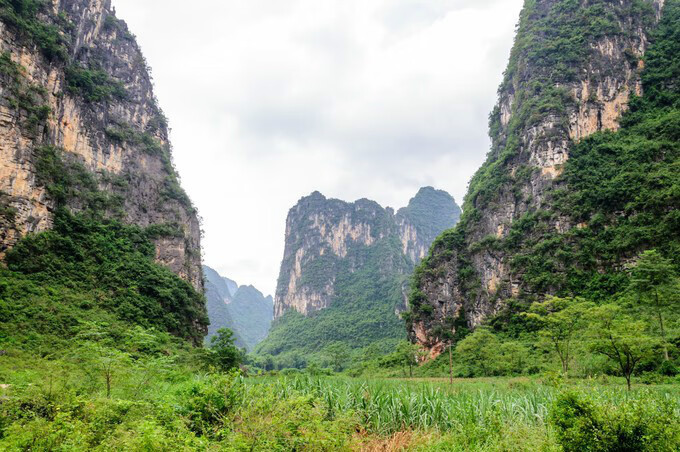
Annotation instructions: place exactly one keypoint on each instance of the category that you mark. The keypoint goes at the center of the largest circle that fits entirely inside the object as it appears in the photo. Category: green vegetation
(632, 335)
(637, 425)
(149, 144)
(654, 281)
(110, 262)
(24, 16)
(68, 182)
(26, 97)
(112, 23)
(7, 212)
(225, 355)
(158, 403)
(94, 85)
(124, 133)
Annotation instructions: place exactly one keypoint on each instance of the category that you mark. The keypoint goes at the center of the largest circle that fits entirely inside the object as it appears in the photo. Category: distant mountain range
(244, 310)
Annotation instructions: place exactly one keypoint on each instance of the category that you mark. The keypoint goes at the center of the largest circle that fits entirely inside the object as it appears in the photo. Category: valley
(542, 314)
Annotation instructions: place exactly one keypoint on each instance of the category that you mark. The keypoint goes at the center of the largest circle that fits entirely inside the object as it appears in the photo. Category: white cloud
(269, 100)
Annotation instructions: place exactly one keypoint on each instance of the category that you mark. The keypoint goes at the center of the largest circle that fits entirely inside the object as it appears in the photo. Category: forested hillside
(563, 205)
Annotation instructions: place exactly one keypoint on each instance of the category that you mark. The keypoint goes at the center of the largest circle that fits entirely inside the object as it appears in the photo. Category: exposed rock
(551, 97)
(121, 138)
(324, 235)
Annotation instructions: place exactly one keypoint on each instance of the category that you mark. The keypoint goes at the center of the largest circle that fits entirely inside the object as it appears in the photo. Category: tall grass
(387, 407)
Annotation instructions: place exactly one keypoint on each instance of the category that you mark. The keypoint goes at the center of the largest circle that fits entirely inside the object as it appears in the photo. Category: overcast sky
(269, 100)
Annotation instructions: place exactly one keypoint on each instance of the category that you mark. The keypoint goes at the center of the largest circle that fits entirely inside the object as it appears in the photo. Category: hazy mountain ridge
(245, 311)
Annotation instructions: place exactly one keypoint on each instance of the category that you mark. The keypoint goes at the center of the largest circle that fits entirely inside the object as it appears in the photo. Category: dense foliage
(112, 263)
(621, 188)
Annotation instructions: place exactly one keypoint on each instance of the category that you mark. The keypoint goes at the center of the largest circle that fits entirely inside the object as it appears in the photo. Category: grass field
(476, 414)
(62, 405)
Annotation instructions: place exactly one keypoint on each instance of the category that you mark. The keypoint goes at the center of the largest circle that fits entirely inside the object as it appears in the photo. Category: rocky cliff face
(244, 310)
(328, 237)
(74, 86)
(572, 72)
(427, 215)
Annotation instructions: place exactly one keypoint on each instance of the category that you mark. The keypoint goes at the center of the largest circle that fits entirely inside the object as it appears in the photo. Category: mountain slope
(252, 314)
(344, 268)
(74, 87)
(244, 310)
(91, 210)
(573, 188)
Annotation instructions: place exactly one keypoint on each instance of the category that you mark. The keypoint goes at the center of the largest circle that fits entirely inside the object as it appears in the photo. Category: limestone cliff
(74, 86)
(572, 72)
(428, 214)
(326, 238)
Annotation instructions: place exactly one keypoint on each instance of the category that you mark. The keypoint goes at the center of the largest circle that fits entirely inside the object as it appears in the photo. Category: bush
(94, 85)
(22, 15)
(635, 425)
(669, 369)
(205, 404)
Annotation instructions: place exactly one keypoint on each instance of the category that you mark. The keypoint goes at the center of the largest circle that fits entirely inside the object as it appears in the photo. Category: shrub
(23, 16)
(94, 85)
(669, 369)
(633, 425)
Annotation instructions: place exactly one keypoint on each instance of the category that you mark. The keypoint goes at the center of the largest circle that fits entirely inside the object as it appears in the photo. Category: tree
(479, 352)
(104, 361)
(620, 338)
(514, 357)
(561, 319)
(409, 355)
(338, 355)
(225, 355)
(656, 283)
(447, 334)
(99, 354)
(451, 331)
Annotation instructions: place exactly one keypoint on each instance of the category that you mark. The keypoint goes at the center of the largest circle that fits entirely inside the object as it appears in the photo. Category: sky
(270, 100)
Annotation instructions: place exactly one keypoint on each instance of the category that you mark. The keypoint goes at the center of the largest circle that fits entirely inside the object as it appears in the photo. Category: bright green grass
(389, 406)
(61, 404)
